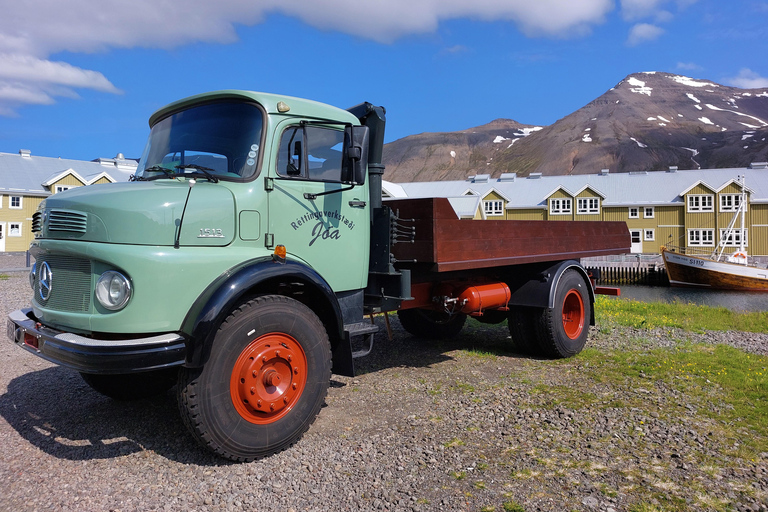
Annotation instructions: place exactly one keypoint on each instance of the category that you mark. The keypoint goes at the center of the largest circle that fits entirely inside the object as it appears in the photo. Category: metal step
(361, 329)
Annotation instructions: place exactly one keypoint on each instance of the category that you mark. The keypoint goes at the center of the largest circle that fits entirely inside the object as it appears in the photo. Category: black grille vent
(70, 283)
(37, 222)
(67, 221)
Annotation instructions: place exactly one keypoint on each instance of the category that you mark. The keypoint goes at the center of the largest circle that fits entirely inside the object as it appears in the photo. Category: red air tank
(475, 299)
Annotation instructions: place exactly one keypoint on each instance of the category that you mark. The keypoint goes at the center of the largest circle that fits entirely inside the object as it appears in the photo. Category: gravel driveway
(465, 425)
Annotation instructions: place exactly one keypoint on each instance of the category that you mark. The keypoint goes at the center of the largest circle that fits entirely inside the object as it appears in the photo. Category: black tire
(493, 316)
(273, 351)
(562, 331)
(522, 328)
(132, 386)
(430, 324)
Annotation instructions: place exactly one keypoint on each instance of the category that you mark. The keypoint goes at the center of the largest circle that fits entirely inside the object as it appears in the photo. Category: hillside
(647, 121)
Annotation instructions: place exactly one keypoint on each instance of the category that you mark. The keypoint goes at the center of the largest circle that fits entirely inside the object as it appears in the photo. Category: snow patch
(651, 119)
(586, 138)
(587, 129)
(761, 95)
(706, 120)
(524, 132)
(692, 97)
(638, 142)
(712, 107)
(499, 139)
(698, 107)
(453, 154)
(665, 120)
(694, 151)
(745, 137)
(639, 86)
(691, 82)
(750, 126)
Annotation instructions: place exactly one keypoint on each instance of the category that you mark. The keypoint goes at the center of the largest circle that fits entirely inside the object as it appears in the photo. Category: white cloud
(32, 30)
(689, 66)
(747, 79)
(635, 10)
(642, 33)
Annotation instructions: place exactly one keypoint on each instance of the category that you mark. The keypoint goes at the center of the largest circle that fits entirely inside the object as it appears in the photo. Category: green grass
(722, 382)
(690, 317)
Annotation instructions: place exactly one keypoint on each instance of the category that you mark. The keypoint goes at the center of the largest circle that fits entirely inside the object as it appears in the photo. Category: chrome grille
(70, 283)
(59, 220)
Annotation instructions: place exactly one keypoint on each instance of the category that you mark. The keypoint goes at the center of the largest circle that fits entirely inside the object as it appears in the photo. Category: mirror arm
(312, 197)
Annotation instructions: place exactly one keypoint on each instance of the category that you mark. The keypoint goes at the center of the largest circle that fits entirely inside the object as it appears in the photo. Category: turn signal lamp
(279, 254)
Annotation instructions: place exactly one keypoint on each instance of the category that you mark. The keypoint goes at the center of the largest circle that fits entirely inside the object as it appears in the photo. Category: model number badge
(210, 233)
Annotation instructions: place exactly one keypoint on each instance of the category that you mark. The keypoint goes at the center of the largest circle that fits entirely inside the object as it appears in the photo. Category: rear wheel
(132, 386)
(264, 383)
(431, 324)
(562, 330)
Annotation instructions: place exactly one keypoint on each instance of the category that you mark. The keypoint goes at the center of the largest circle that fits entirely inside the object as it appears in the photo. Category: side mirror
(354, 161)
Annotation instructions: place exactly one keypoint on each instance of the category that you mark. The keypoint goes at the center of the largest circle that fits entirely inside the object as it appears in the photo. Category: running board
(361, 329)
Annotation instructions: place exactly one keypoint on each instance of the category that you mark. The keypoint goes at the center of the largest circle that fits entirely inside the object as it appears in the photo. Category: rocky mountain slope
(648, 121)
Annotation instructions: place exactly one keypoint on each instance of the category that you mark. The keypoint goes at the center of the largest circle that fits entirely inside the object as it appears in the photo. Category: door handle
(357, 204)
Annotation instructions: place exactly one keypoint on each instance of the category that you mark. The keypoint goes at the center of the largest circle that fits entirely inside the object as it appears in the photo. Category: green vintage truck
(241, 261)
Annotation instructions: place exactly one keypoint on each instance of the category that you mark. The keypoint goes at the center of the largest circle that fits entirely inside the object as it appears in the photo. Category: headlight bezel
(113, 290)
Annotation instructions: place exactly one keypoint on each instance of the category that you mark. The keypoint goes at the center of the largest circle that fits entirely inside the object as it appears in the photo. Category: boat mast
(730, 231)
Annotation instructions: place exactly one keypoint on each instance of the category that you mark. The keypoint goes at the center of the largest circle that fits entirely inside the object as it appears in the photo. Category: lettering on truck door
(329, 232)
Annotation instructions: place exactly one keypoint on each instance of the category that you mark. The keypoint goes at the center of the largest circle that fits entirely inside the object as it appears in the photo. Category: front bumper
(91, 355)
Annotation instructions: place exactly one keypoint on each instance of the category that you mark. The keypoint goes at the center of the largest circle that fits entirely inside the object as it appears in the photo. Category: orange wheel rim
(268, 378)
(573, 314)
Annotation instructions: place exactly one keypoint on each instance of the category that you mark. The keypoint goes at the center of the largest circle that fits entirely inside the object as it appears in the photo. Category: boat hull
(693, 271)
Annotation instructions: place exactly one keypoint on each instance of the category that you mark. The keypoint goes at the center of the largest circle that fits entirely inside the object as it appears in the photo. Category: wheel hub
(573, 314)
(268, 378)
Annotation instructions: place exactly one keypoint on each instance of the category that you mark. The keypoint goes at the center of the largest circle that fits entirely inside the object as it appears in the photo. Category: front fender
(261, 275)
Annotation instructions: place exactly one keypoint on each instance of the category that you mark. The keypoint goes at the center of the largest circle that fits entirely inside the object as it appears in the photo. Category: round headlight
(32, 274)
(113, 290)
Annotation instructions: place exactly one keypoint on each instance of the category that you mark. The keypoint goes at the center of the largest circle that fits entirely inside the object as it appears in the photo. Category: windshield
(220, 139)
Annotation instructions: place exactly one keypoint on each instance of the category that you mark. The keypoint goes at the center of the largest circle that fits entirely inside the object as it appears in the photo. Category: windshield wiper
(206, 171)
(157, 168)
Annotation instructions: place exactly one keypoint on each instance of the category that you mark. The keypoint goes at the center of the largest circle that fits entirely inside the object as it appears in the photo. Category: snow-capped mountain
(648, 121)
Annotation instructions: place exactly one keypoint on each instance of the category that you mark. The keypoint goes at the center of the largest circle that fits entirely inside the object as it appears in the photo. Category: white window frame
(733, 199)
(560, 206)
(649, 235)
(1, 201)
(10, 228)
(588, 205)
(493, 207)
(700, 203)
(646, 211)
(21, 202)
(701, 237)
(735, 239)
(634, 212)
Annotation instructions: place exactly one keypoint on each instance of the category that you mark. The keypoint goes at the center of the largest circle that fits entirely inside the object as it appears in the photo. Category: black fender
(539, 287)
(262, 275)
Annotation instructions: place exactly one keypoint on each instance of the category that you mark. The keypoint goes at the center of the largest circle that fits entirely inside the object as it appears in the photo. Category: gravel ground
(465, 425)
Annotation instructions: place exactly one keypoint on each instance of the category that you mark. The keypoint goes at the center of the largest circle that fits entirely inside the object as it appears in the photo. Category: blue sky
(80, 78)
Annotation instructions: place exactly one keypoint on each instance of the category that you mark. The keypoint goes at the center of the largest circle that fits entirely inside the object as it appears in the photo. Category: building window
(14, 229)
(16, 202)
(734, 239)
(634, 213)
(649, 235)
(494, 208)
(560, 206)
(701, 237)
(62, 188)
(587, 205)
(729, 202)
(648, 212)
(700, 203)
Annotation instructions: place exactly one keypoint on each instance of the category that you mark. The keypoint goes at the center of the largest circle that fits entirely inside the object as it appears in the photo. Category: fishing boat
(719, 270)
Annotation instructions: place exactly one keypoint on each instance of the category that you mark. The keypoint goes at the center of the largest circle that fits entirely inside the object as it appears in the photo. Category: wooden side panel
(452, 244)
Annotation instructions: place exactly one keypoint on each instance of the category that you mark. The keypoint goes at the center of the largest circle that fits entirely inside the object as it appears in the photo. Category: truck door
(329, 232)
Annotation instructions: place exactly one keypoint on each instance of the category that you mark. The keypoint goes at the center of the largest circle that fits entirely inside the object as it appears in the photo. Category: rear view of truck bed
(449, 244)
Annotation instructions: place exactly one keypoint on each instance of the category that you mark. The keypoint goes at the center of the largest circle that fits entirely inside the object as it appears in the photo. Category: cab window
(311, 153)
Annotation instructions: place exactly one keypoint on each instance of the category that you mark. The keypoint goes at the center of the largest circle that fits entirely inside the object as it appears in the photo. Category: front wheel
(562, 330)
(264, 383)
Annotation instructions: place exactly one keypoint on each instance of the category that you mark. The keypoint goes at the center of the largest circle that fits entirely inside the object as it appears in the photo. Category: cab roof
(298, 106)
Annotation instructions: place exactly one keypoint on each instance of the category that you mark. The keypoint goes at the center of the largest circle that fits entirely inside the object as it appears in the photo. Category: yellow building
(26, 180)
(681, 208)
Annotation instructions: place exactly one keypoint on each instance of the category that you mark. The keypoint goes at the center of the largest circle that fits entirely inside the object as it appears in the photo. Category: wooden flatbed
(448, 243)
